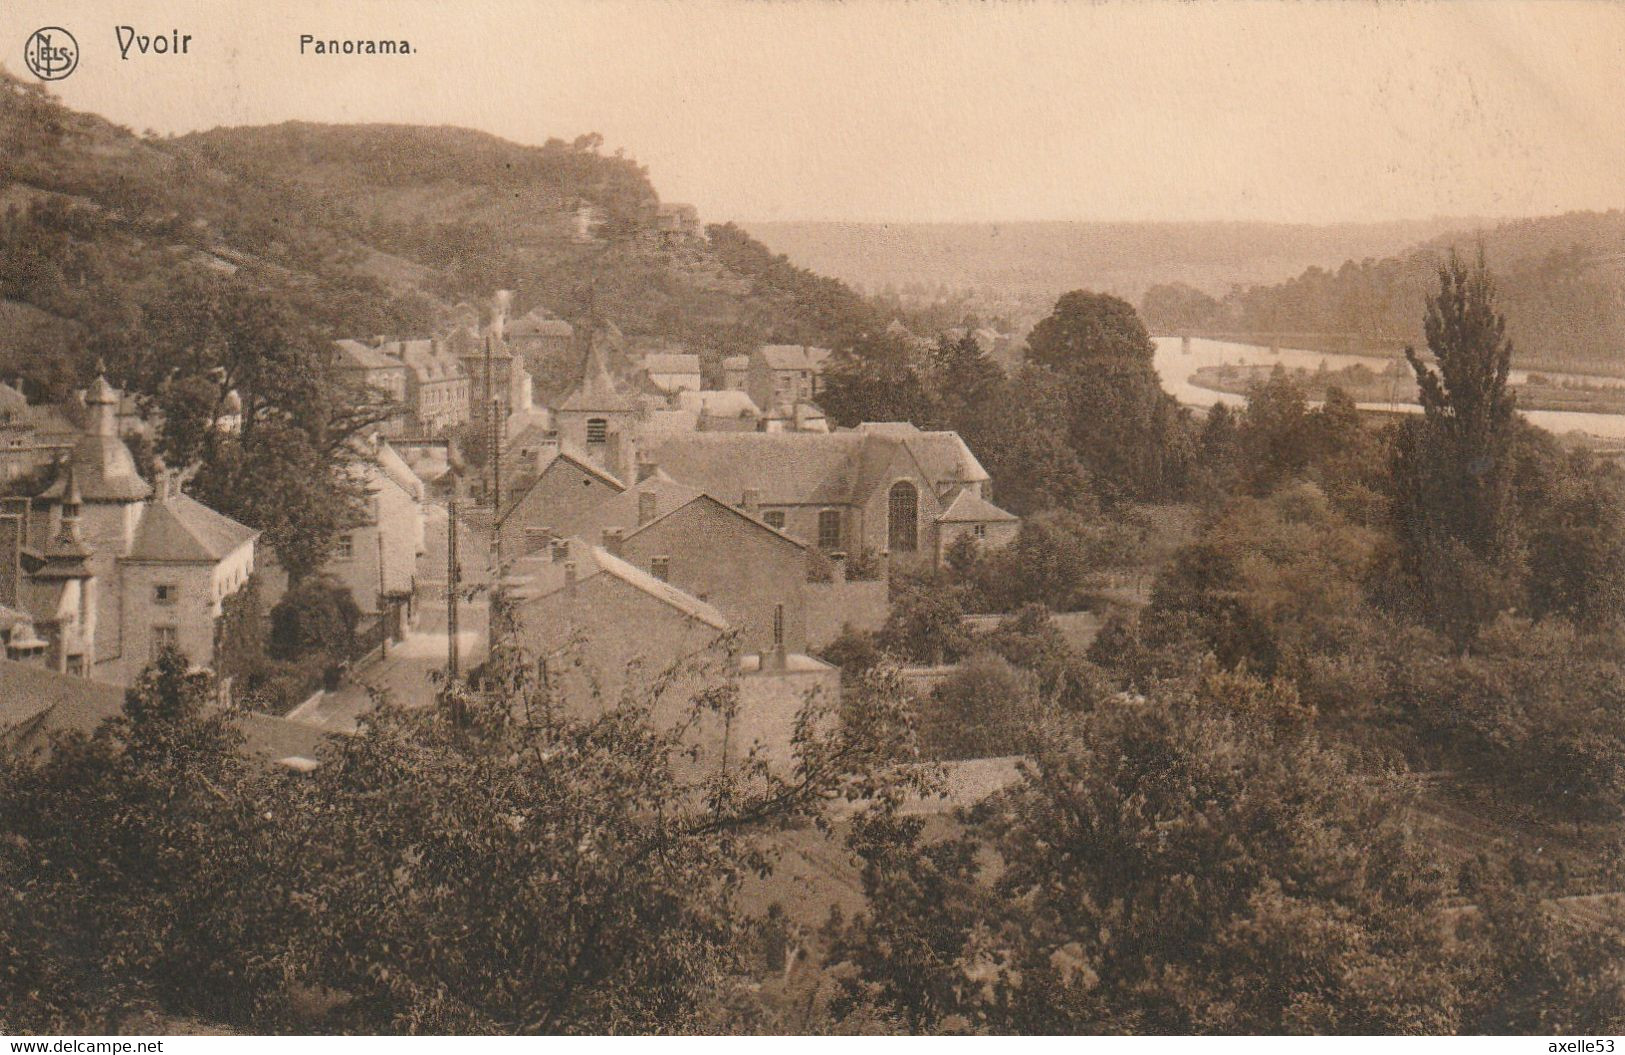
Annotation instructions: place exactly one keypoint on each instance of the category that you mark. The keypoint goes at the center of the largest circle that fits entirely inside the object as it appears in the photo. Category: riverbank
(1396, 384)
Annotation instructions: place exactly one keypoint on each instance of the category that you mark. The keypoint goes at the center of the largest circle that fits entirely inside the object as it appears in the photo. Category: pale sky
(937, 110)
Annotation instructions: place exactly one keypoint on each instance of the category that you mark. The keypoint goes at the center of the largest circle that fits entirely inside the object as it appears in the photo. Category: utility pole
(452, 575)
(383, 647)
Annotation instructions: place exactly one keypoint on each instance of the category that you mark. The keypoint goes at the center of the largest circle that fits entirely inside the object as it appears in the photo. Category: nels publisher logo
(51, 53)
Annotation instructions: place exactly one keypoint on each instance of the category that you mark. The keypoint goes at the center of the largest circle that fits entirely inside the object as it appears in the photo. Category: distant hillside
(366, 230)
(1561, 283)
(1046, 259)
(487, 214)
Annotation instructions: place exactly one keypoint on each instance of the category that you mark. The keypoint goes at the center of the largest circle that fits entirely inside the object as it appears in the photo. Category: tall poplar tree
(1456, 518)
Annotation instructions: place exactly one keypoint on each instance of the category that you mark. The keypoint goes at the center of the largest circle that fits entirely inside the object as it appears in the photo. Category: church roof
(942, 454)
(787, 468)
(597, 390)
(183, 530)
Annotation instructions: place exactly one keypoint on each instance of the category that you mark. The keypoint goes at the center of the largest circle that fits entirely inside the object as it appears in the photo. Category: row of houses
(642, 545)
(100, 570)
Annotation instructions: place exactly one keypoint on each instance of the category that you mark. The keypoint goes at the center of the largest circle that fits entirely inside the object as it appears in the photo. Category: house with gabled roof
(376, 555)
(369, 369)
(600, 626)
(971, 515)
(554, 496)
(881, 487)
(37, 705)
(162, 562)
(723, 554)
(672, 372)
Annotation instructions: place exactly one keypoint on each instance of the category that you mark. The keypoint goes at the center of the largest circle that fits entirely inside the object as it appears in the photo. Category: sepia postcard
(728, 518)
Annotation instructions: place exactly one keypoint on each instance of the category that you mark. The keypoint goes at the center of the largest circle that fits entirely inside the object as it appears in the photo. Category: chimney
(648, 505)
(612, 540)
(646, 469)
(570, 579)
(751, 503)
(837, 567)
(11, 559)
(774, 660)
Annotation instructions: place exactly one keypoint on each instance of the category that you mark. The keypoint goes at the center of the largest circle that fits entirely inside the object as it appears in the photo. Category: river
(1176, 367)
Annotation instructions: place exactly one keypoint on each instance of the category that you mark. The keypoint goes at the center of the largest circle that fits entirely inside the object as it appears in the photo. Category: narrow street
(404, 674)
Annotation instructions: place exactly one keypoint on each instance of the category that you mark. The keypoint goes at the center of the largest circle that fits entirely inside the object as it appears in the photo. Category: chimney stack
(775, 660)
(570, 579)
(646, 469)
(648, 505)
(612, 540)
(751, 502)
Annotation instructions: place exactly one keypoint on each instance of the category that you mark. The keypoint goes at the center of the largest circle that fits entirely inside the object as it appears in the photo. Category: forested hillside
(359, 230)
(1561, 281)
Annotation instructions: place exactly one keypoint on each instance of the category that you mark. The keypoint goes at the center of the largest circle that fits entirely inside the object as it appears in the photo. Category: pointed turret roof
(101, 465)
(597, 390)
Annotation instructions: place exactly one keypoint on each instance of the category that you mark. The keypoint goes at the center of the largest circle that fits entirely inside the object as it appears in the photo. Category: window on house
(774, 518)
(164, 637)
(980, 531)
(829, 529)
(597, 430)
(164, 593)
(344, 547)
(660, 568)
(903, 517)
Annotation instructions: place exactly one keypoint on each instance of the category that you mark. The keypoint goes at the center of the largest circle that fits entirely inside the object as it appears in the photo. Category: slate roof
(786, 356)
(597, 389)
(967, 508)
(389, 462)
(35, 703)
(356, 355)
(594, 560)
(425, 362)
(184, 530)
(104, 470)
(788, 468)
(525, 481)
(942, 454)
(719, 403)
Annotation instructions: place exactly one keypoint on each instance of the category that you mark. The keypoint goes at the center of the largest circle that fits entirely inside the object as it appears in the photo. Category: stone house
(377, 557)
(552, 498)
(673, 372)
(437, 386)
(362, 366)
(163, 563)
(606, 627)
(986, 523)
(782, 375)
